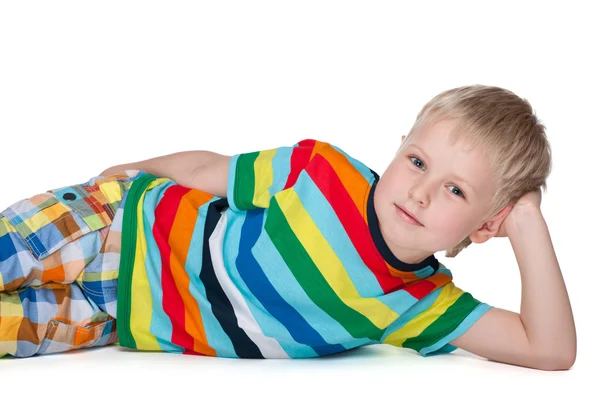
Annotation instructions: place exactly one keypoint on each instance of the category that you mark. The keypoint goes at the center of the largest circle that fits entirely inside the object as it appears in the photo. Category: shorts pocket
(50, 220)
(61, 336)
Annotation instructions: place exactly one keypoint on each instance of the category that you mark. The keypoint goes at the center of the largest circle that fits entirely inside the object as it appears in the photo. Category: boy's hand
(528, 200)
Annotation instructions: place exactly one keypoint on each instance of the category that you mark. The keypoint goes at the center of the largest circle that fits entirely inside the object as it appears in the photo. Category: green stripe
(445, 324)
(128, 243)
(245, 181)
(310, 278)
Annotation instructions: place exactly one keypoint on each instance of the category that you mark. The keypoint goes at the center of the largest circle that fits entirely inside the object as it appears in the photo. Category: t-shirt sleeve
(253, 178)
(433, 322)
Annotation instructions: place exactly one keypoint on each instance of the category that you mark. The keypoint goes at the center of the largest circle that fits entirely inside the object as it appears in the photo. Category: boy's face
(423, 178)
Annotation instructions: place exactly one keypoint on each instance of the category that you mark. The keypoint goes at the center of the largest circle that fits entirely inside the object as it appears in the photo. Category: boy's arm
(543, 335)
(195, 169)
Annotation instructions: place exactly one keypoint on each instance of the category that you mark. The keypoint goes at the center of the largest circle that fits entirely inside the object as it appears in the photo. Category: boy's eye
(460, 192)
(416, 159)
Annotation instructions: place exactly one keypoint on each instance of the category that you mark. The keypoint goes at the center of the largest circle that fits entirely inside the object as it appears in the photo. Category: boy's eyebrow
(453, 175)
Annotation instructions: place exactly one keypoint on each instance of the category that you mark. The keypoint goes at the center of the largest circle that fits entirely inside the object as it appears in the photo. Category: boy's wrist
(520, 218)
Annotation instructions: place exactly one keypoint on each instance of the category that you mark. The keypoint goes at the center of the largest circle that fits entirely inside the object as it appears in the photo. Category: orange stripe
(439, 279)
(354, 182)
(179, 240)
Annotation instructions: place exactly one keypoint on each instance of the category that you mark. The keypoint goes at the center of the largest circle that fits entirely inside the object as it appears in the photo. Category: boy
(296, 252)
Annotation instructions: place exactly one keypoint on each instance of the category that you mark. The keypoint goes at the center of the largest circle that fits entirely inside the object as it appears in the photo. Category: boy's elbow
(566, 362)
(560, 358)
(212, 176)
(555, 362)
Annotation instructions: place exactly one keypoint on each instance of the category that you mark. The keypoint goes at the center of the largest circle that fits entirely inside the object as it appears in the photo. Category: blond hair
(503, 126)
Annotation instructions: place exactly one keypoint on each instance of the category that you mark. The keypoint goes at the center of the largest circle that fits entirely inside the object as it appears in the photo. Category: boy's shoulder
(337, 157)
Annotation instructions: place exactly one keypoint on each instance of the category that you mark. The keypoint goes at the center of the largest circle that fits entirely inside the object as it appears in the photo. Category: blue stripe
(328, 223)
(424, 272)
(442, 269)
(419, 307)
(231, 169)
(215, 335)
(292, 293)
(399, 300)
(259, 284)
(282, 166)
(222, 305)
(235, 250)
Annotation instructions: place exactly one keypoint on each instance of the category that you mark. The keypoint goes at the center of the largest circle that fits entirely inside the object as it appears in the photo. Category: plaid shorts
(59, 264)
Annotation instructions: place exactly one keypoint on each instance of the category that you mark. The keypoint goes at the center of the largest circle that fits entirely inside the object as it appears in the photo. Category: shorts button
(69, 196)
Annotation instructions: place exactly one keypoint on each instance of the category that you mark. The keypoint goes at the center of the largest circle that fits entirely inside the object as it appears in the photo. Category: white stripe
(268, 346)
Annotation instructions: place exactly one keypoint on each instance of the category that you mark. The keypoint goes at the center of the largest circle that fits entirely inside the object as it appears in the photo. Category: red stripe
(420, 289)
(299, 159)
(172, 301)
(325, 177)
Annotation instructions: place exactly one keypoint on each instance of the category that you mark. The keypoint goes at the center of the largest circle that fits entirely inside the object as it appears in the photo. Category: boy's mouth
(406, 216)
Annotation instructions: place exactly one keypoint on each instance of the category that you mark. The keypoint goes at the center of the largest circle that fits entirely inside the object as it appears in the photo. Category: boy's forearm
(196, 169)
(545, 307)
(179, 166)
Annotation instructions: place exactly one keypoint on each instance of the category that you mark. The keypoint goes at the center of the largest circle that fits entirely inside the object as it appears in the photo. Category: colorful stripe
(289, 265)
(263, 267)
(438, 314)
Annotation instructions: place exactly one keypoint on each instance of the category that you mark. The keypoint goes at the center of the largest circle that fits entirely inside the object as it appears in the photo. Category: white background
(87, 85)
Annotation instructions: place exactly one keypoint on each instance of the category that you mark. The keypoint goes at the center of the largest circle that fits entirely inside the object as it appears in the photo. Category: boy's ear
(491, 227)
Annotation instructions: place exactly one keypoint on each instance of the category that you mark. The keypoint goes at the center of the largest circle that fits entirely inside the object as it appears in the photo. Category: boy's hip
(69, 234)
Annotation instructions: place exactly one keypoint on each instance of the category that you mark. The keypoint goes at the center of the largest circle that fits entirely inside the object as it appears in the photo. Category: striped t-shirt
(290, 264)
